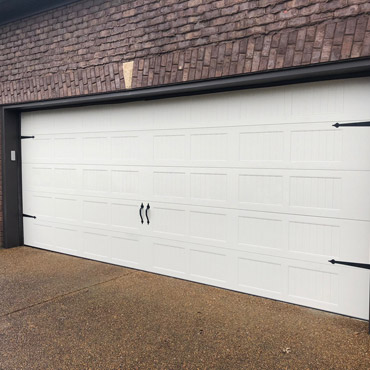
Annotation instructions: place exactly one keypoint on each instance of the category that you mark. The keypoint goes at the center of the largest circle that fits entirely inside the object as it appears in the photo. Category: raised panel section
(67, 209)
(316, 100)
(169, 258)
(96, 180)
(319, 286)
(317, 239)
(169, 184)
(259, 275)
(168, 221)
(42, 236)
(41, 205)
(41, 176)
(125, 182)
(96, 245)
(126, 250)
(209, 265)
(125, 148)
(261, 146)
(208, 186)
(67, 239)
(96, 212)
(316, 192)
(66, 149)
(169, 147)
(96, 149)
(208, 225)
(125, 215)
(209, 147)
(260, 232)
(316, 146)
(41, 149)
(66, 178)
(261, 189)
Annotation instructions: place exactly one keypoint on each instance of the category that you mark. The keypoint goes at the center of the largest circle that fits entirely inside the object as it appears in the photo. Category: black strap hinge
(28, 216)
(353, 124)
(352, 264)
(27, 137)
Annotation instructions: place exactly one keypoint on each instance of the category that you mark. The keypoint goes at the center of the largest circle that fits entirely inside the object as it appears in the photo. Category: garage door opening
(250, 190)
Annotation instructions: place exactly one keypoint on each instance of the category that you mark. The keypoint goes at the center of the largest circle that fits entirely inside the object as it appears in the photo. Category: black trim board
(12, 181)
(10, 118)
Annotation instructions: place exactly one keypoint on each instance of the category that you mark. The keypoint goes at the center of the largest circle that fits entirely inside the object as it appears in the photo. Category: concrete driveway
(61, 312)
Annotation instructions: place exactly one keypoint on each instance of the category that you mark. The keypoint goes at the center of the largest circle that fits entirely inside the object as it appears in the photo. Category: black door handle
(141, 216)
(146, 212)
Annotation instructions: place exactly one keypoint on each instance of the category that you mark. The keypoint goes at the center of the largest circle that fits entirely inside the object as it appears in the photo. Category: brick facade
(79, 48)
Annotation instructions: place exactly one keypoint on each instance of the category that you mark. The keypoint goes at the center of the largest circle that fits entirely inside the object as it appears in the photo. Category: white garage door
(251, 190)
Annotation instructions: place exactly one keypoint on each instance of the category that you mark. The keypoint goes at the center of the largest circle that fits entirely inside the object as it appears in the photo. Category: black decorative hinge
(27, 137)
(353, 124)
(353, 264)
(28, 216)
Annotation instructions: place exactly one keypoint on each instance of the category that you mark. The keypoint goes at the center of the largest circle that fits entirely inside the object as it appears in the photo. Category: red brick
(169, 41)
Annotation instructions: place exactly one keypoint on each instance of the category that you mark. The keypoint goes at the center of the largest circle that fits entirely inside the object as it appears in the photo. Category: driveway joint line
(66, 294)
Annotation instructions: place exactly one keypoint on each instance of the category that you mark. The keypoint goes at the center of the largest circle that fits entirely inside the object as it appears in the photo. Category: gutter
(328, 71)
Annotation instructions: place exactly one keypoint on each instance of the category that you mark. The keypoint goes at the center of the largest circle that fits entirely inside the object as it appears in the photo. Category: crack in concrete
(66, 294)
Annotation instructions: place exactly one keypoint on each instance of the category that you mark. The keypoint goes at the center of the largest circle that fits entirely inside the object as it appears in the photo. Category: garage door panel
(67, 240)
(262, 145)
(170, 146)
(41, 204)
(313, 239)
(356, 282)
(99, 213)
(311, 192)
(334, 194)
(66, 148)
(66, 180)
(313, 285)
(38, 234)
(208, 225)
(260, 276)
(170, 257)
(261, 232)
(192, 261)
(96, 245)
(58, 238)
(128, 250)
(192, 224)
(38, 177)
(170, 221)
(170, 183)
(208, 187)
(99, 181)
(249, 190)
(41, 123)
(128, 148)
(95, 149)
(316, 193)
(209, 266)
(306, 146)
(125, 216)
(262, 189)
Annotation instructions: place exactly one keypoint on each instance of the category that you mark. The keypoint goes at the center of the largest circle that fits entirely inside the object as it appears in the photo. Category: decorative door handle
(146, 212)
(141, 216)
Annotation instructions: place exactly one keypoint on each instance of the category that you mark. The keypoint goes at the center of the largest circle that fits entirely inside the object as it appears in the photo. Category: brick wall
(79, 48)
